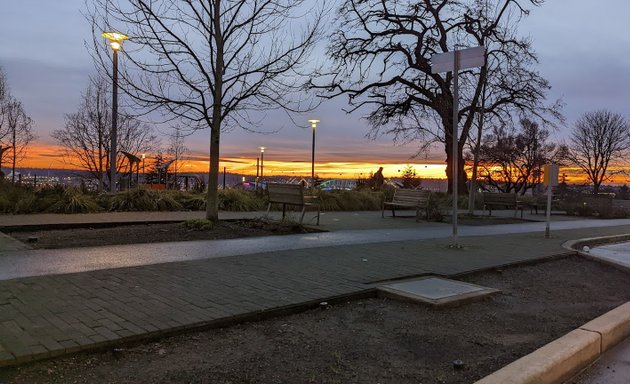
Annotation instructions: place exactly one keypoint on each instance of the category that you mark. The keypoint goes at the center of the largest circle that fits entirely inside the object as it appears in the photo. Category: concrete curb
(563, 358)
(577, 245)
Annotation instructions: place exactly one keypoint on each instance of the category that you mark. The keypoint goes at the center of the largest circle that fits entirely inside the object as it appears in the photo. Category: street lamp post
(115, 41)
(314, 126)
(144, 172)
(262, 162)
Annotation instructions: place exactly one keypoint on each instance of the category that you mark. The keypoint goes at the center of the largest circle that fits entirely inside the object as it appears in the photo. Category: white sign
(551, 174)
(468, 58)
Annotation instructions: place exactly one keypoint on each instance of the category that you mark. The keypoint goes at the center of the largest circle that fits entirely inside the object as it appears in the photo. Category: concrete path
(160, 288)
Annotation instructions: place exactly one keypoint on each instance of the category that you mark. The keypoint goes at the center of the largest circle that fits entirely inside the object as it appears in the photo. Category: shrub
(26, 204)
(72, 200)
(363, 200)
(195, 202)
(240, 201)
(134, 200)
(198, 225)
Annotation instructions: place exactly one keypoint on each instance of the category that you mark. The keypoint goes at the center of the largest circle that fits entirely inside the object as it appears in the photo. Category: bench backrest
(411, 196)
(499, 198)
(286, 193)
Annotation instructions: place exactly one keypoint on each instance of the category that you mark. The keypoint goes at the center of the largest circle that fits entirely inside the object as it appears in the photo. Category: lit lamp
(115, 41)
(314, 126)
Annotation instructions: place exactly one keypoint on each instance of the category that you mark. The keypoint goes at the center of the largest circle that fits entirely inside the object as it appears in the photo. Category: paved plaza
(54, 302)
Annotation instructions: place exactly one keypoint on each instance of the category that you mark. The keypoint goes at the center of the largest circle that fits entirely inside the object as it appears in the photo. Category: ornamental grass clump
(72, 200)
(240, 201)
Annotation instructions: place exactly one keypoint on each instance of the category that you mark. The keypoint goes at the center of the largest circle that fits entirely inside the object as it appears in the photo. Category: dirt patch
(367, 341)
(152, 233)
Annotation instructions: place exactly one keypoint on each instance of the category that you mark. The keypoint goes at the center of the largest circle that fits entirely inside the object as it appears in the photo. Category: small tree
(86, 136)
(177, 150)
(513, 161)
(16, 127)
(410, 180)
(19, 128)
(598, 138)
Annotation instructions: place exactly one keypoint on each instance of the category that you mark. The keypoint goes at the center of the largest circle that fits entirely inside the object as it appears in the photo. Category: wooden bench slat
(507, 200)
(409, 198)
(290, 194)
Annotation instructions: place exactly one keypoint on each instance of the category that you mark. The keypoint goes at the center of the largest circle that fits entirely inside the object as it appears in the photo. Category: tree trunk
(212, 204)
(596, 188)
(462, 188)
(14, 159)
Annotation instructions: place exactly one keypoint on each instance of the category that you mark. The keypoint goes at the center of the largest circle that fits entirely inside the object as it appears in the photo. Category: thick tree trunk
(212, 203)
(462, 188)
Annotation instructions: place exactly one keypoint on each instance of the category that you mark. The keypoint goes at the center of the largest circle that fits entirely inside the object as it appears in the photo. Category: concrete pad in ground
(613, 326)
(435, 290)
(617, 254)
(552, 363)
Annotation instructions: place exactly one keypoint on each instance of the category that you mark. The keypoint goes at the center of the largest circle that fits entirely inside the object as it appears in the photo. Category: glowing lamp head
(262, 149)
(115, 39)
(313, 123)
(144, 156)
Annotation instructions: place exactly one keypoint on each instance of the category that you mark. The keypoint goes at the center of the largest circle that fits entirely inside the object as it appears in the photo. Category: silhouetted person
(378, 179)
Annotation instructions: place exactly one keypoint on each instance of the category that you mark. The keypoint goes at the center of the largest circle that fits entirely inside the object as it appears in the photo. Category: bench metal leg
(268, 208)
(303, 212)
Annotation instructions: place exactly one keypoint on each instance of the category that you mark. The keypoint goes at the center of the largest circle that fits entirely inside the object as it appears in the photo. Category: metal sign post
(452, 62)
(551, 180)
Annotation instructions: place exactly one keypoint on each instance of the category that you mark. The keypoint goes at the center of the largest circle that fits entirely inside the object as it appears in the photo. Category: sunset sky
(583, 47)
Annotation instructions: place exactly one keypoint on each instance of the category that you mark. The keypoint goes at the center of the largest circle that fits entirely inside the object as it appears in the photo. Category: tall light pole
(144, 172)
(115, 41)
(314, 126)
(262, 163)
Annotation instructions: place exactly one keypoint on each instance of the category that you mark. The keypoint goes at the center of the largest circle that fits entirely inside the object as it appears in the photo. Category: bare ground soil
(46, 238)
(366, 341)
(152, 233)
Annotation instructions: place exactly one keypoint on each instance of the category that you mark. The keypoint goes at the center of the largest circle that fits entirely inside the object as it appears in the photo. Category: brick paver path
(52, 315)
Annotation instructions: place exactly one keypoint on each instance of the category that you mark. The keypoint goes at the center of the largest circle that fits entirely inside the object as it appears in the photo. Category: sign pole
(547, 227)
(454, 154)
(551, 180)
(453, 61)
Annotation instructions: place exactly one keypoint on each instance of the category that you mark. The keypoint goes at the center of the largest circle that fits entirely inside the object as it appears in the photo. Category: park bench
(411, 199)
(291, 194)
(506, 200)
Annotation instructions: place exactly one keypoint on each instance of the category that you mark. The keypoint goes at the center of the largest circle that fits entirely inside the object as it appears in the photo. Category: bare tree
(4, 131)
(212, 63)
(598, 138)
(513, 161)
(177, 150)
(383, 50)
(19, 129)
(86, 135)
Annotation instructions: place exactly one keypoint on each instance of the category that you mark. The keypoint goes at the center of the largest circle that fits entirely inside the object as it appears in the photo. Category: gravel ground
(366, 341)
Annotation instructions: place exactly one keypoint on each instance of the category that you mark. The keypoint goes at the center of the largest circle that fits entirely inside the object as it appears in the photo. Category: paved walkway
(50, 314)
